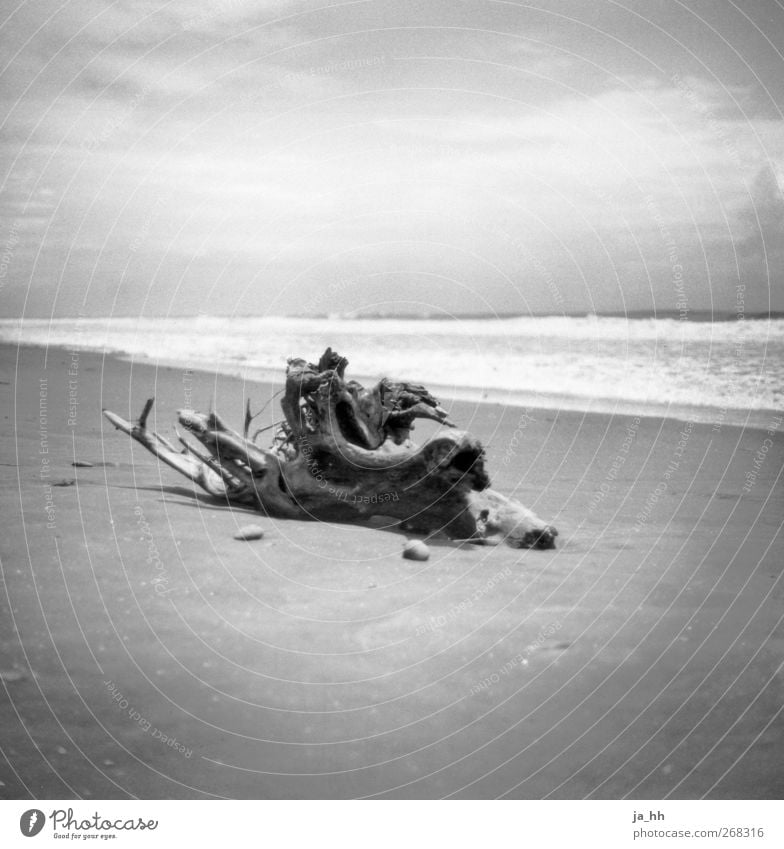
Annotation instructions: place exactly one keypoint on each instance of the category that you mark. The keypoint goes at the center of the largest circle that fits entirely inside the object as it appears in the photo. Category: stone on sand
(415, 549)
(249, 532)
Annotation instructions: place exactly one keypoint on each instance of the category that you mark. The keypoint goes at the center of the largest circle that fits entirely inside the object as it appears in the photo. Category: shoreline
(756, 419)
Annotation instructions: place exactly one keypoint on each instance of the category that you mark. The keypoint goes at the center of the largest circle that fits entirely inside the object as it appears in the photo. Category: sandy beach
(146, 653)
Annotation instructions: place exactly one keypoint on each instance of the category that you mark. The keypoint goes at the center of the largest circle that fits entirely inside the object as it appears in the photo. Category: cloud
(764, 216)
(292, 137)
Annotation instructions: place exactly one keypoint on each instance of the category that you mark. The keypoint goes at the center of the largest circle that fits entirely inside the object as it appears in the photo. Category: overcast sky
(276, 156)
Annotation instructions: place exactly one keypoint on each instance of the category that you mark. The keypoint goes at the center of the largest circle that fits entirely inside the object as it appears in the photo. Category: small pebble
(82, 464)
(250, 532)
(415, 549)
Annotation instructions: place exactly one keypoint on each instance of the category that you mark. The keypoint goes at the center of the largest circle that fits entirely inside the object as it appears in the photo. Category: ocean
(726, 371)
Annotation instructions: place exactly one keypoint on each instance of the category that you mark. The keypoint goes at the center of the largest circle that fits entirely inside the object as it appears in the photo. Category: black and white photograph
(392, 406)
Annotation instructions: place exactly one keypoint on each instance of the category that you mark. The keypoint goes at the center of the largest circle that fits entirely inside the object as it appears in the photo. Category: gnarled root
(345, 452)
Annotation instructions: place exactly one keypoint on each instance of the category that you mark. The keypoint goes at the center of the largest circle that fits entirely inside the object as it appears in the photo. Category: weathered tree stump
(344, 452)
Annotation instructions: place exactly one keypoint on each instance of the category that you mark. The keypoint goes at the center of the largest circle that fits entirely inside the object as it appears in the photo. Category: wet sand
(146, 653)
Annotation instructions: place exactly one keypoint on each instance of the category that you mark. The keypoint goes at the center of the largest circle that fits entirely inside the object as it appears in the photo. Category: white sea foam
(646, 363)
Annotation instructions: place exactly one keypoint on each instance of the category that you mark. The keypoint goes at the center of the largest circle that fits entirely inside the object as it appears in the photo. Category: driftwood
(344, 452)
